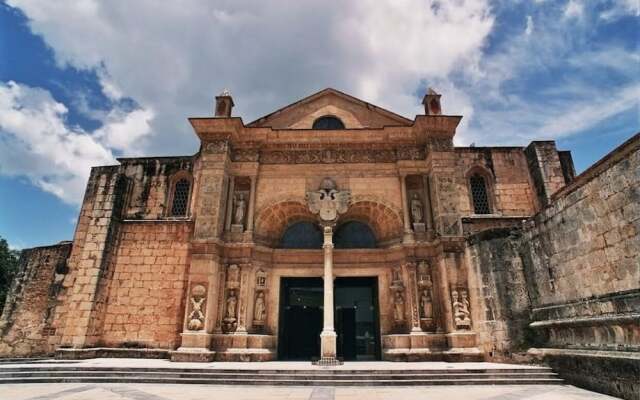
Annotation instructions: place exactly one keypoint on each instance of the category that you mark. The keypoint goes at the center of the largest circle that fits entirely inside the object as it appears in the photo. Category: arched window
(479, 194)
(328, 122)
(180, 198)
(354, 235)
(302, 235)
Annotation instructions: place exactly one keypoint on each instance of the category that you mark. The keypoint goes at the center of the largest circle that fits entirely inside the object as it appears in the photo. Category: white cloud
(574, 9)
(36, 141)
(621, 8)
(529, 28)
(174, 60)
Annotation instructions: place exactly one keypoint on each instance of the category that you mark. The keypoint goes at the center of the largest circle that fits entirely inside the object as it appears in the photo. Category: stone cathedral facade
(335, 228)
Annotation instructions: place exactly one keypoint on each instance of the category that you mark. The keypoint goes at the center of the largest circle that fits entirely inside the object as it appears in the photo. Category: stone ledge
(109, 352)
(588, 321)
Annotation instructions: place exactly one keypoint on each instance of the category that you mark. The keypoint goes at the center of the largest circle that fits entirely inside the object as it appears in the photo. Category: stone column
(408, 233)
(328, 335)
(227, 223)
(428, 212)
(252, 205)
(445, 295)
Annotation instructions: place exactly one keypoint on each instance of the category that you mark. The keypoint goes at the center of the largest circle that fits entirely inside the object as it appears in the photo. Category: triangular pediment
(353, 112)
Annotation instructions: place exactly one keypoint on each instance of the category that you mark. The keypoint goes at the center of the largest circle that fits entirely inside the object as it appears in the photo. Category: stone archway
(385, 221)
(272, 220)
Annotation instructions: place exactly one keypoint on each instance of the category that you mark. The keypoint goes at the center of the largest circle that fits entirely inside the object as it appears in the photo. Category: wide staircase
(35, 372)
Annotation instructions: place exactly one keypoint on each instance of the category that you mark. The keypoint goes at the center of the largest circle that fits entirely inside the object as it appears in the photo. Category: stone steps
(300, 377)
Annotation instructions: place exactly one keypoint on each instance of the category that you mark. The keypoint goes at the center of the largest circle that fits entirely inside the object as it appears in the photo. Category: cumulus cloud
(172, 58)
(36, 141)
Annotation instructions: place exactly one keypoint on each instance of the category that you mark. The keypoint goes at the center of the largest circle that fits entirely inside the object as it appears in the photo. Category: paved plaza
(79, 391)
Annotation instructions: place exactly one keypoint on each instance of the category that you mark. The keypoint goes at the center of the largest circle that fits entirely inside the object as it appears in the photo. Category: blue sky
(83, 82)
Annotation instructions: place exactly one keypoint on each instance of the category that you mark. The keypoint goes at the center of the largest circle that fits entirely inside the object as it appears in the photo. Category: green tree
(8, 268)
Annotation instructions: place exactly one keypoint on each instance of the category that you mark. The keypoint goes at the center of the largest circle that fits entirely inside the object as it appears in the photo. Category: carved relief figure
(232, 302)
(416, 209)
(398, 307)
(238, 215)
(461, 310)
(426, 304)
(259, 310)
(233, 276)
(196, 316)
(261, 280)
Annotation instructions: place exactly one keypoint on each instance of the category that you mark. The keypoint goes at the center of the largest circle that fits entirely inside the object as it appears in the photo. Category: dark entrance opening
(300, 318)
(356, 318)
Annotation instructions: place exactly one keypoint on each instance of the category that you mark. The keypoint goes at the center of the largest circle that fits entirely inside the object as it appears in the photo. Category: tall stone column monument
(328, 203)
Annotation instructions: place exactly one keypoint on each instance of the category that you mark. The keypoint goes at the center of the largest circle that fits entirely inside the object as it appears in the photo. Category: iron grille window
(479, 195)
(180, 198)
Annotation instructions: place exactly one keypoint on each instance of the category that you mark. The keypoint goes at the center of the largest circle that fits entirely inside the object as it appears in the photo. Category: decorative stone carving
(398, 307)
(329, 156)
(461, 314)
(328, 202)
(245, 155)
(416, 209)
(261, 280)
(230, 321)
(410, 153)
(259, 309)
(216, 147)
(396, 279)
(233, 276)
(426, 305)
(240, 208)
(196, 316)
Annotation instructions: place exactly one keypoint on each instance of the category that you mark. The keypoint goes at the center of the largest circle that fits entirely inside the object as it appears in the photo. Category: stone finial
(224, 104)
(431, 103)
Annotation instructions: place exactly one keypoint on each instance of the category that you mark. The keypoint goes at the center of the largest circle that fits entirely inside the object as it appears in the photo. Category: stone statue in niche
(259, 310)
(416, 209)
(398, 307)
(426, 305)
(461, 314)
(232, 302)
(230, 321)
(196, 316)
(238, 214)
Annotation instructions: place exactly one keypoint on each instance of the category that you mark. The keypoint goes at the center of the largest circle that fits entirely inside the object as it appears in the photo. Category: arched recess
(478, 176)
(354, 235)
(302, 235)
(385, 222)
(272, 220)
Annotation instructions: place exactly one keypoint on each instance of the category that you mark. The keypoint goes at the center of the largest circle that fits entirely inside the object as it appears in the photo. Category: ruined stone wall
(26, 323)
(572, 274)
(146, 290)
(510, 184)
(149, 183)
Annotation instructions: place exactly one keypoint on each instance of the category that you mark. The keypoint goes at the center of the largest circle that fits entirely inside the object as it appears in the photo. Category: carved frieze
(216, 147)
(245, 155)
(460, 306)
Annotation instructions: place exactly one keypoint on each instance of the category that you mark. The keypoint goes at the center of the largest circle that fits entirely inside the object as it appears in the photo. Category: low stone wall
(26, 322)
(611, 372)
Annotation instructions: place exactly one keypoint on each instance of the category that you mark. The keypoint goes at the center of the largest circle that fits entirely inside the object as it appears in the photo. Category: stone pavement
(80, 391)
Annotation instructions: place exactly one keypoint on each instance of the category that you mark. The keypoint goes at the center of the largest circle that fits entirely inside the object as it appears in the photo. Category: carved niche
(397, 289)
(260, 301)
(230, 318)
(425, 293)
(216, 147)
(195, 320)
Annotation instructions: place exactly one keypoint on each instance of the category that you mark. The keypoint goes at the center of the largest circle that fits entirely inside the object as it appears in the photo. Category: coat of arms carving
(328, 202)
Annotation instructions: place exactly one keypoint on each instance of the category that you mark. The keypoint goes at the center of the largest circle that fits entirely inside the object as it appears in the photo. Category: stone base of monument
(247, 347)
(327, 362)
(430, 347)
